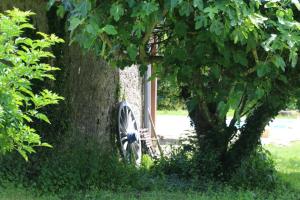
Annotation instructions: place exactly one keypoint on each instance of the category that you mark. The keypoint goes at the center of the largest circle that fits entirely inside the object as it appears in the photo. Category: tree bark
(254, 126)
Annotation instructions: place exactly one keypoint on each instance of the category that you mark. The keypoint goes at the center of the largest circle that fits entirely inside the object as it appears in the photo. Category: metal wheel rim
(127, 129)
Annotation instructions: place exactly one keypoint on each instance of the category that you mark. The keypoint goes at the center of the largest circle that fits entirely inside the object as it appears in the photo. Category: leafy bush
(21, 63)
(189, 163)
(180, 162)
(258, 171)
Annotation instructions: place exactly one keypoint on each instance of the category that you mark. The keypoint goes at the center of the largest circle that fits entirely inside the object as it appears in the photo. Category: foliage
(257, 171)
(76, 164)
(168, 96)
(188, 163)
(22, 61)
(179, 163)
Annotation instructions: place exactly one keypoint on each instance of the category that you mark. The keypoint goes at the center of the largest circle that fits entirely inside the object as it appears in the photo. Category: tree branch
(254, 52)
(240, 108)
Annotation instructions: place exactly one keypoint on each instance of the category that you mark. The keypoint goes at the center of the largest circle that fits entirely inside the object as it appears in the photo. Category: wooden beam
(153, 99)
(153, 87)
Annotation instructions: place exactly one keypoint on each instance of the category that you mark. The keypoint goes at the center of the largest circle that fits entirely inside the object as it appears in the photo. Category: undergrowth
(80, 172)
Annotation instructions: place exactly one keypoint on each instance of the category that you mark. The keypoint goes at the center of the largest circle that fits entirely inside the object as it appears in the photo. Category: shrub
(21, 63)
(76, 165)
(189, 163)
(258, 171)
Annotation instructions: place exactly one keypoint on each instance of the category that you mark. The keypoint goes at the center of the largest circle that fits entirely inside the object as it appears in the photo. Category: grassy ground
(173, 112)
(224, 193)
(287, 159)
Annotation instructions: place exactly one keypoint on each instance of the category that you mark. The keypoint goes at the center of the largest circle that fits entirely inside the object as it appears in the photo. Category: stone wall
(131, 89)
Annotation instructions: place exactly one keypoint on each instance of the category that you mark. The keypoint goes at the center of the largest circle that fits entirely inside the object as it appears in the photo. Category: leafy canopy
(22, 61)
(228, 54)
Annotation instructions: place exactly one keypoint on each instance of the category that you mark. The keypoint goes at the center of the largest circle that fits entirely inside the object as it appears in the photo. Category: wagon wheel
(128, 135)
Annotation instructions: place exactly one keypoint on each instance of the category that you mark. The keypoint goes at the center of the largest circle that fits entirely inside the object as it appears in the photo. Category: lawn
(173, 112)
(221, 193)
(287, 159)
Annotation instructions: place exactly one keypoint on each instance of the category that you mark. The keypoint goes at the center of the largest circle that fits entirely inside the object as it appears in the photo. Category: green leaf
(185, 9)
(257, 19)
(149, 7)
(60, 11)
(200, 21)
(293, 57)
(211, 11)
(216, 27)
(94, 30)
(50, 4)
(222, 109)
(83, 7)
(241, 58)
(262, 69)
(138, 29)
(23, 154)
(198, 4)
(283, 79)
(110, 30)
(132, 52)
(44, 144)
(74, 23)
(131, 3)
(27, 118)
(174, 3)
(43, 117)
(259, 93)
(116, 11)
(279, 62)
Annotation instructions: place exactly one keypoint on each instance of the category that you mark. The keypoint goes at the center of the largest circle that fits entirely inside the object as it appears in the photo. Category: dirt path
(280, 131)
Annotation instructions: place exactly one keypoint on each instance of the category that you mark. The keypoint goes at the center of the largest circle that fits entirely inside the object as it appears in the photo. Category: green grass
(10, 191)
(221, 193)
(287, 159)
(173, 112)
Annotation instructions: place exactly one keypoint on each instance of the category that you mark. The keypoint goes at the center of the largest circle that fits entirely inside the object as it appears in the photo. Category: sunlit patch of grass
(173, 112)
(287, 160)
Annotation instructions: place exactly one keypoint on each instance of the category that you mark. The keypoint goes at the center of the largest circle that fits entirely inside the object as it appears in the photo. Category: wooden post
(153, 88)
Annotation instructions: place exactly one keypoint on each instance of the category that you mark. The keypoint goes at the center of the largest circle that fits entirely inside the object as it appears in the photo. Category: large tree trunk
(254, 126)
(212, 141)
(216, 146)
